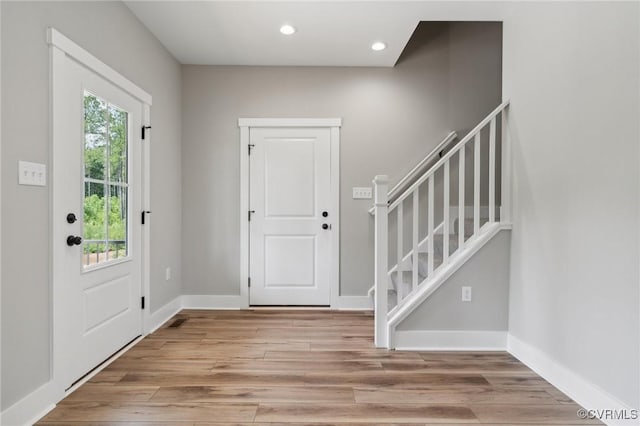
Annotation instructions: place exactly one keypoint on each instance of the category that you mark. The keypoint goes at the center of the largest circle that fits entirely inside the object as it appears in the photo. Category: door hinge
(144, 131)
(144, 213)
(250, 146)
(249, 213)
(249, 281)
(142, 302)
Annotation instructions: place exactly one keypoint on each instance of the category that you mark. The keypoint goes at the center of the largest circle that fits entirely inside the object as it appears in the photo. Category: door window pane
(95, 138)
(117, 145)
(106, 189)
(116, 222)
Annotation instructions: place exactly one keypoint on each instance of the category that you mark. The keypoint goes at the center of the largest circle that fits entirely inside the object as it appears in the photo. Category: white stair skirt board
(162, 315)
(587, 394)
(450, 340)
(31, 408)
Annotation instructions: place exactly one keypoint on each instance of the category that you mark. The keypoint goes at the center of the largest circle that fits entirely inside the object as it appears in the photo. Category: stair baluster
(400, 243)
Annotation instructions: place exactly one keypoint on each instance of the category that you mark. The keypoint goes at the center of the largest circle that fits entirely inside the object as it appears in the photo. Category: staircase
(424, 253)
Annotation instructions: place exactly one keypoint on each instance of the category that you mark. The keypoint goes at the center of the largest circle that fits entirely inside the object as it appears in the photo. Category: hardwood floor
(280, 367)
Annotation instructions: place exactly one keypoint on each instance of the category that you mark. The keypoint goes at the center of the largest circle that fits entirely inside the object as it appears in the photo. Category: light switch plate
(362, 193)
(466, 294)
(34, 174)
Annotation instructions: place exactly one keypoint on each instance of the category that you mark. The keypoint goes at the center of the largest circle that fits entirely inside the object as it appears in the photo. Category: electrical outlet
(167, 274)
(34, 174)
(466, 294)
(363, 193)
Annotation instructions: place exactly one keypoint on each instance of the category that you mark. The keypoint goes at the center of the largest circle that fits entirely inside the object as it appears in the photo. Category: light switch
(363, 193)
(34, 174)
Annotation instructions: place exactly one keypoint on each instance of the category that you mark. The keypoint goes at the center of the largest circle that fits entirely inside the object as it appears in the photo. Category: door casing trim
(333, 124)
(60, 47)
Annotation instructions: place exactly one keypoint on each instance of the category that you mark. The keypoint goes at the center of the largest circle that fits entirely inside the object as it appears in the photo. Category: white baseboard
(194, 301)
(582, 391)
(163, 314)
(352, 303)
(31, 408)
(450, 340)
(191, 301)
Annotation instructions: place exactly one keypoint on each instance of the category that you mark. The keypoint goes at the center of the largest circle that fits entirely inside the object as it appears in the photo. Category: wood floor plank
(475, 366)
(157, 365)
(108, 376)
(400, 413)
(384, 380)
(292, 394)
(462, 395)
(517, 382)
(285, 367)
(297, 366)
(540, 414)
(215, 379)
(227, 346)
(110, 393)
(201, 353)
(361, 355)
(132, 412)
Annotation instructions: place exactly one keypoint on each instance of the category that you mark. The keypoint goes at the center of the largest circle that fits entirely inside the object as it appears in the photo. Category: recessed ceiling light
(287, 29)
(378, 45)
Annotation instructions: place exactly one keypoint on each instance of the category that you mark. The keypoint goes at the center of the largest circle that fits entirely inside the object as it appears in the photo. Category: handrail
(438, 149)
(449, 154)
(414, 171)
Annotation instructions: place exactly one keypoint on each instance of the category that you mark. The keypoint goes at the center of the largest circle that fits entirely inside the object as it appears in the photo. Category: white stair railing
(415, 171)
(410, 262)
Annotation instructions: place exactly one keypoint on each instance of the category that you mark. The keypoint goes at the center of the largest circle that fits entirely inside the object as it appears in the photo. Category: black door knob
(325, 226)
(73, 240)
(325, 214)
(71, 218)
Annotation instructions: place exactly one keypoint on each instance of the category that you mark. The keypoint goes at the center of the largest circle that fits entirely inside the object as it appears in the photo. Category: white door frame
(333, 124)
(60, 47)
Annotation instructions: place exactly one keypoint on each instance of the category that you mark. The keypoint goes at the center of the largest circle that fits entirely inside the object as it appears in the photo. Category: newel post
(381, 248)
(507, 173)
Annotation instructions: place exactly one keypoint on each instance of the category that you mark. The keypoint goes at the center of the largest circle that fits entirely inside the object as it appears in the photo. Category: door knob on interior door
(73, 240)
(325, 226)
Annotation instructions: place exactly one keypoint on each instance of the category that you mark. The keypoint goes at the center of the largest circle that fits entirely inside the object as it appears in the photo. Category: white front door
(290, 218)
(97, 198)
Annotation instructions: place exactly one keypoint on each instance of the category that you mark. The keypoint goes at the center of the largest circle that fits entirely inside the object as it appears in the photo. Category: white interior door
(97, 178)
(290, 219)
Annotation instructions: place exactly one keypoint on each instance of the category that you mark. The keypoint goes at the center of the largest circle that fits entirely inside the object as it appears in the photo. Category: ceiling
(247, 33)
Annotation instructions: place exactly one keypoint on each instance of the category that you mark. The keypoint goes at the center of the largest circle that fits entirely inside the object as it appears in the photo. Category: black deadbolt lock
(325, 214)
(71, 218)
(74, 240)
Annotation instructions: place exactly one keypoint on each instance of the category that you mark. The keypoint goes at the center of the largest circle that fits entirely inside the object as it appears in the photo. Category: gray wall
(391, 119)
(572, 73)
(113, 34)
(487, 272)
